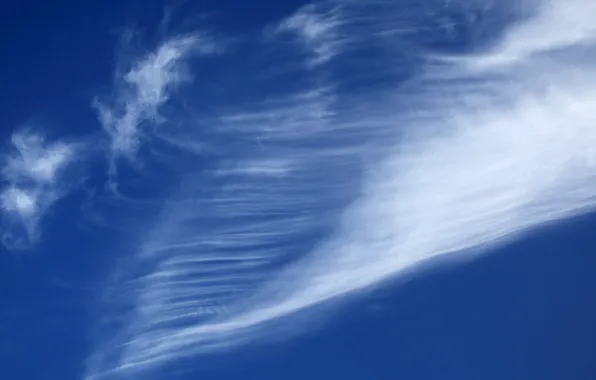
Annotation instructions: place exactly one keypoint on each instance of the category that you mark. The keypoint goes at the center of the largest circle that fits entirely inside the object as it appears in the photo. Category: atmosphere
(263, 190)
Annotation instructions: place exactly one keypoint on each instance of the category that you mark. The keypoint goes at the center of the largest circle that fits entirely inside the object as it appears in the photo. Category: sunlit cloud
(318, 193)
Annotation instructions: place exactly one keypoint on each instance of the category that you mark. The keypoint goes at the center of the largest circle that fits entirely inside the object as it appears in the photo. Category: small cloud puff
(31, 172)
(34, 160)
(20, 201)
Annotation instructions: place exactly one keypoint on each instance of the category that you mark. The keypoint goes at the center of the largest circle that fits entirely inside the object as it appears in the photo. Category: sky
(264, 190)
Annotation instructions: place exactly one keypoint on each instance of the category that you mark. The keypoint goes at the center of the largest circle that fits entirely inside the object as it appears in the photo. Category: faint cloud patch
(316, 30)
(31, 171)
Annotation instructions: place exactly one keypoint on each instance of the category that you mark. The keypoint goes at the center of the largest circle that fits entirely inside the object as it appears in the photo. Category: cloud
(20, 201)
(524, 40)
(316, 28)
(144, 89)
(34, 159)
(264, 188)
(32, 171)
(321, 193)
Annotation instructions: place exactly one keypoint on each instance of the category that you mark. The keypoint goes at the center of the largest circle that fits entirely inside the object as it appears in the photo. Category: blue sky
(265, 190)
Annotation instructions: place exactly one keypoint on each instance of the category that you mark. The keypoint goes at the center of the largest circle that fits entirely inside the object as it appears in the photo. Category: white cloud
(486, 156)
(317, 29)
(19, 201)
(34, 159)
(145, 88)
(32, 170)
(556, 25)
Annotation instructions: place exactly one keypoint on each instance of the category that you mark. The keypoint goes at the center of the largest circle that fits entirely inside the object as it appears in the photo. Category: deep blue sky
(527, 311)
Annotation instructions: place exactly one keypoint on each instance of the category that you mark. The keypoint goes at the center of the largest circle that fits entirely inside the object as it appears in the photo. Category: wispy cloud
(32, 170)
(316, 28)
(142, 90)
(524, 40)
(241, 218)
(34, 159)
(285, 219)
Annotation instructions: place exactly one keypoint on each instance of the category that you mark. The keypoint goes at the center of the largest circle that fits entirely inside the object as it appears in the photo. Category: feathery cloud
(485, 157)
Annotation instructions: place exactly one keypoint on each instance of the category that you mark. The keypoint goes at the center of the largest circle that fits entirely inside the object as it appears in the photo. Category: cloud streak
(320, 193)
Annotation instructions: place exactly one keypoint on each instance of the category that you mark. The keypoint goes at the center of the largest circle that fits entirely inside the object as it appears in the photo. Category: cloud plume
(311, 194)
